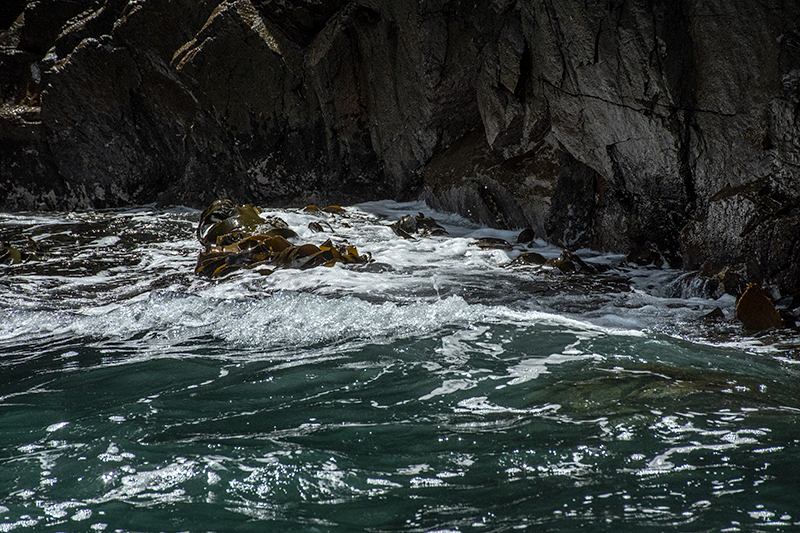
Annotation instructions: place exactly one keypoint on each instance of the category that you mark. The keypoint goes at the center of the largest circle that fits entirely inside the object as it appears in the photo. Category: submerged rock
(756, 311)
(569, 262)
(715, 314)
(644, 385)
(528, 258)
(645, 255)
(526, 236)
(566, 263)
(789, 319)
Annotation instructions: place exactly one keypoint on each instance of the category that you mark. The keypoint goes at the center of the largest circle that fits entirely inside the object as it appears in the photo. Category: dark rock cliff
(666, 124)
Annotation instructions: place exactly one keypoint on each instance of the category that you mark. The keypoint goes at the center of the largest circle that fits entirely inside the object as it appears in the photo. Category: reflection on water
(433, 390)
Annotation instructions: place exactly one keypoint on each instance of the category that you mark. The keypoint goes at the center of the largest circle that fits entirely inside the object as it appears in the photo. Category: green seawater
(433, 390)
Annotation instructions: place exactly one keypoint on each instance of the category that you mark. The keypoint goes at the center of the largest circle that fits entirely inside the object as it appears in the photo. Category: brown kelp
(10, 255)
(223, 223)
(238, 237)
(13, 254)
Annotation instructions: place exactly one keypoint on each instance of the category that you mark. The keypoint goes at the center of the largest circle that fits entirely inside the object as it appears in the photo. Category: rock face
(657, 124)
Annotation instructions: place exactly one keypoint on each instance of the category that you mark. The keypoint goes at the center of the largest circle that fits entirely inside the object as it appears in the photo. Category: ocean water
(434, 389)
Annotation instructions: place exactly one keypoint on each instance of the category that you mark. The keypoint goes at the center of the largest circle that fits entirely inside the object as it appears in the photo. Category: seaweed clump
(409, 226)
(12, 255)
(238, 237)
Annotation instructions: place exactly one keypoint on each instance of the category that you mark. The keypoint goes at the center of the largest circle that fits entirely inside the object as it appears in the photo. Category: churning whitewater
(440, 386)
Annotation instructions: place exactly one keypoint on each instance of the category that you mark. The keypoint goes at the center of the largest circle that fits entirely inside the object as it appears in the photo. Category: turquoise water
(435, 389)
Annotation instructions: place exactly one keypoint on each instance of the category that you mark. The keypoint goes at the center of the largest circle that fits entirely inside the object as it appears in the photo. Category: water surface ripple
(435, 389)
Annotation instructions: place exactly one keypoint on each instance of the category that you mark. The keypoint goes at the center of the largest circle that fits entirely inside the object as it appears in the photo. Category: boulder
(569, 262)
(528, 258)
(755, 310)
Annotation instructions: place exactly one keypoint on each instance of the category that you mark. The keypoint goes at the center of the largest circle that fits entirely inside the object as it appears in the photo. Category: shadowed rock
(756, 311)
(410, 226)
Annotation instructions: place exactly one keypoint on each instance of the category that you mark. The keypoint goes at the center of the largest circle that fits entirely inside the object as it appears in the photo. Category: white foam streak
(286, 319)
(413, 288)
(532, 368)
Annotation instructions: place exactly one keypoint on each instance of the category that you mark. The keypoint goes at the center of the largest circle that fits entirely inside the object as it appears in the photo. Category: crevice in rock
(685, 164)
(643, 110)
(555, 27)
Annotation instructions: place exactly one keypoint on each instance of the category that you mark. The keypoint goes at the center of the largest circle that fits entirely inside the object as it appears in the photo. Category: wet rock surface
(410, 226)
(755, 310)
(663, 130)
